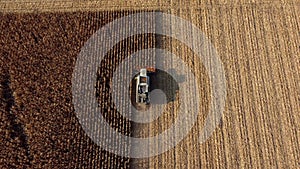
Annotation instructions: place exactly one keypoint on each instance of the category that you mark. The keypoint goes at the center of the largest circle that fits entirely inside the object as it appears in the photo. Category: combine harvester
(143, 85)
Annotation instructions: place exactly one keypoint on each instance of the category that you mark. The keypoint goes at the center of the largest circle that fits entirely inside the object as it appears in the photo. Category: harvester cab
(142, 86)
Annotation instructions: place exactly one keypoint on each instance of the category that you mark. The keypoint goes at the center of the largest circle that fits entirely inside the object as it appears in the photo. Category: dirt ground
(258, 44)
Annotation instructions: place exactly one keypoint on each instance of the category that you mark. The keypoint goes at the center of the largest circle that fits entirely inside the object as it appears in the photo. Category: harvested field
(257, 42)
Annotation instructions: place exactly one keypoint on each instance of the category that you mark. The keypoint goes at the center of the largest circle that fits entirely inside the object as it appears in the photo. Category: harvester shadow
(159, 80)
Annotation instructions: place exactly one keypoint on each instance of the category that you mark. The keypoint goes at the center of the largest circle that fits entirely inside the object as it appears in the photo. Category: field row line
(61, 6)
